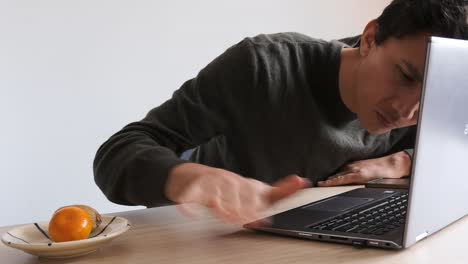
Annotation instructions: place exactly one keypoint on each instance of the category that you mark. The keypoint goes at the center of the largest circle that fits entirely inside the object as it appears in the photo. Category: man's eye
(405, 76)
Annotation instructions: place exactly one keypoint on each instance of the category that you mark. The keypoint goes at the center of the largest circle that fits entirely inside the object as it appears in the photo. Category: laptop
(437, 195)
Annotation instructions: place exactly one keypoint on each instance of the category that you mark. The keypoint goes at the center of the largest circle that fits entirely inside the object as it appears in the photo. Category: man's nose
(407, 111)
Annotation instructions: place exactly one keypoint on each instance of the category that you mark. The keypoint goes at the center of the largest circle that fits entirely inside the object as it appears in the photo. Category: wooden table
(164, 235)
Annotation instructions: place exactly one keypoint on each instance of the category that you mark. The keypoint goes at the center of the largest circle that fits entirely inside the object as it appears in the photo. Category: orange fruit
(70, 223)
(93, 213)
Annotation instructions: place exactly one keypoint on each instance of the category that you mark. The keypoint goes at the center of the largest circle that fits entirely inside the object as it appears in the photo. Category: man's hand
(229, 196)
(393, 166)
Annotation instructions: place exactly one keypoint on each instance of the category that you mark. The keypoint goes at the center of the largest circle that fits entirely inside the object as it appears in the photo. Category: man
(284, 104)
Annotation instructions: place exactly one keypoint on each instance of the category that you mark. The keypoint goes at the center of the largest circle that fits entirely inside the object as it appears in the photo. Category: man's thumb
(287, 186)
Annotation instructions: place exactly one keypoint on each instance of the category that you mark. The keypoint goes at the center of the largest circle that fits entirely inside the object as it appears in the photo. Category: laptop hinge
(421, 236)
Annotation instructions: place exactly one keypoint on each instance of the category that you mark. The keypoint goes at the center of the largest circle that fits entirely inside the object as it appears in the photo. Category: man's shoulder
(298, 41)
(299, 38)
(284, 38)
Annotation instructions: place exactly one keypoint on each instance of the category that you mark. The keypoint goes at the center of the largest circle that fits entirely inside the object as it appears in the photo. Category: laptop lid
(439, 183)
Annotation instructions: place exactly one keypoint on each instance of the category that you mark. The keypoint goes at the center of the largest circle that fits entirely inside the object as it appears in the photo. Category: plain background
(72, 73)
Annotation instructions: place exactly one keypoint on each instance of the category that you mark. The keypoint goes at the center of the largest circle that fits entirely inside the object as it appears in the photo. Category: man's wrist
(177, 180)
(401, 161)
(181, 179)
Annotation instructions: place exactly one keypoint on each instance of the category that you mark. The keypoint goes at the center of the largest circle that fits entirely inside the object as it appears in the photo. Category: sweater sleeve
(406, 143)
(132, 166)
(410, 152)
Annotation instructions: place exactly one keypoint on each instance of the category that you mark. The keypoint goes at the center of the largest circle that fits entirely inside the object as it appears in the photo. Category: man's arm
(396, 164)
(132, 166)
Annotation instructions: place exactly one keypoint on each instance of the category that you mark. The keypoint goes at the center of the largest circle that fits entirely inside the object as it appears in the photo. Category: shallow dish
(33, 239)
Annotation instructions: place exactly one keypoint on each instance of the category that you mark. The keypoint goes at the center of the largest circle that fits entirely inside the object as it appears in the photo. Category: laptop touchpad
(338, 203)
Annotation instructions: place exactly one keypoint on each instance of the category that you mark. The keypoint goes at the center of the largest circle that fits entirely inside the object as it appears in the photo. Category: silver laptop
(438, 192)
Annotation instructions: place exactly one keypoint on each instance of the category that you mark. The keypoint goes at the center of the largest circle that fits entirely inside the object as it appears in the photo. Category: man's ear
(368, 38)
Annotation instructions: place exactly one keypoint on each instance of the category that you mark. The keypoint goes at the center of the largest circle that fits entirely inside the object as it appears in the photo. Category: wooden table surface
(164, 235)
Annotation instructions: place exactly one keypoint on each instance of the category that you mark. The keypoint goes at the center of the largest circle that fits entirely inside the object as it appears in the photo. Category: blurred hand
(393, 166)
(229, 196)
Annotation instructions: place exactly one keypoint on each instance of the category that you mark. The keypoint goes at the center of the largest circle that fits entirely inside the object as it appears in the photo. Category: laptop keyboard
(376, 220)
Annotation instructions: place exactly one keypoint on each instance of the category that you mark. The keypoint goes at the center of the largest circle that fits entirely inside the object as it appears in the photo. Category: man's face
(389, 82)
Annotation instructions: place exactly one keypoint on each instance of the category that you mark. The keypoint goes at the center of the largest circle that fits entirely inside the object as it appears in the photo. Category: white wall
(74, 72)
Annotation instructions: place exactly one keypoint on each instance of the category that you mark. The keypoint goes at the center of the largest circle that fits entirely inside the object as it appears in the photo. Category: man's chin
(377, 131)
(372, 126)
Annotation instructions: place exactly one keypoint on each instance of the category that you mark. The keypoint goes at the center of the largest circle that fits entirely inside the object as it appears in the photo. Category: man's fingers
(188, 210)
(341, 173)
(264, 222)
(286, 187)
(245, 203)
(292, 181)
(341, 180)
(222, 212)
(231, 209)
(252, 205)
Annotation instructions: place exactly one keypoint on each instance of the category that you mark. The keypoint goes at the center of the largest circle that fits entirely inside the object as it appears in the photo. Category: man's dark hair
(442, 18)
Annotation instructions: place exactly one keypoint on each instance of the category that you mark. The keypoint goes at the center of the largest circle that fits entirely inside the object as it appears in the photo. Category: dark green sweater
(266, 108)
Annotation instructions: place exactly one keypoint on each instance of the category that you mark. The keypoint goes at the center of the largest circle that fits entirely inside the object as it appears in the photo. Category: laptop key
(370, 230)
(342, 228)
(352, 228)
(360, 230)
(332, 226)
